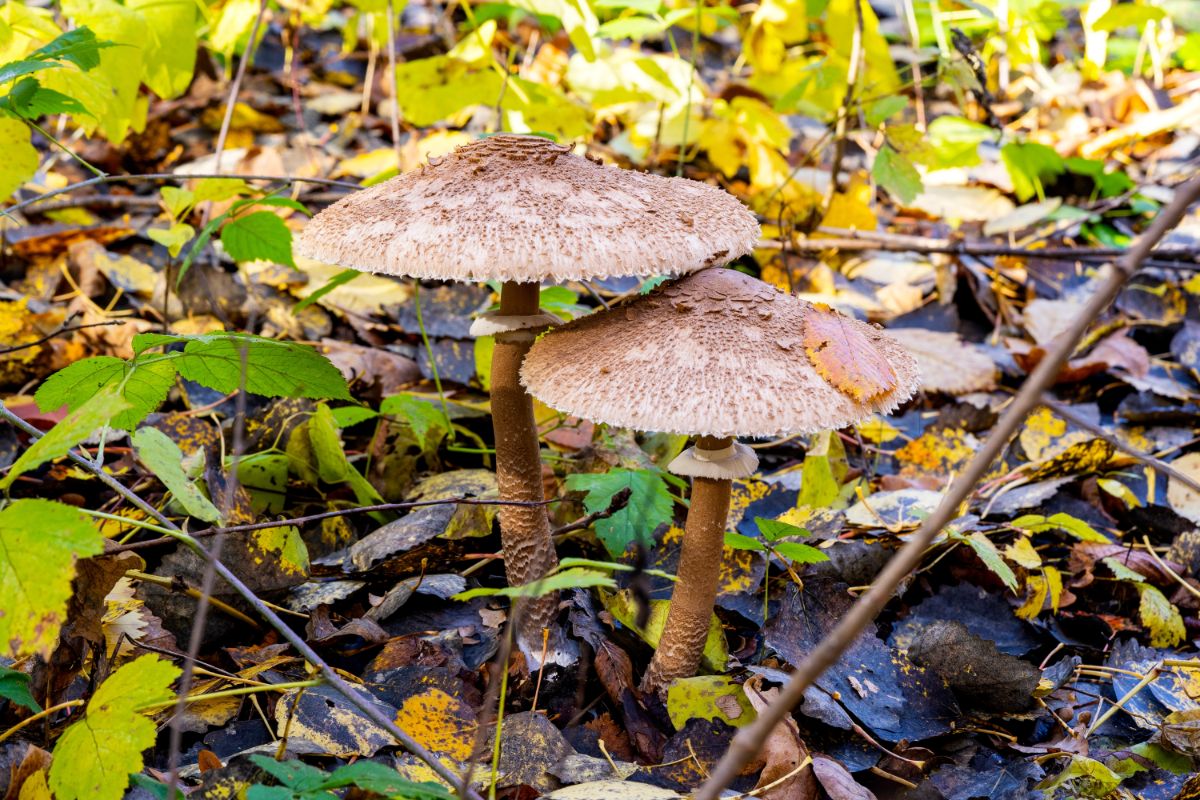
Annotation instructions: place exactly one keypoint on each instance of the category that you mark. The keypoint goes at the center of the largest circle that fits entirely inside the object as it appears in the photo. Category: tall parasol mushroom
(717, 354)
(522, 210)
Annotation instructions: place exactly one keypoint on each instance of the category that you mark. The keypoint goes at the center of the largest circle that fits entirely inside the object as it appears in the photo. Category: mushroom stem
(690, 613)
(524, 530)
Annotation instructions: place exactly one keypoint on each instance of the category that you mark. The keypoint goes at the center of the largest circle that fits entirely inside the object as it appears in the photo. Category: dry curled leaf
(947, 363)
(845, 357)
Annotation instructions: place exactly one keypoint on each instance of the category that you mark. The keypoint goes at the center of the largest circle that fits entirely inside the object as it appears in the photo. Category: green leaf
(18, 157)
(14, 687)
(164, 458)
(424, 417)
(332, 464)
(178, 201)
(79, 47)
(774, 529)
(1160, 617)
(1122, 572)
(30, 100)
(347, 416)
(265, 476)
(98, 411)
(261, 236)
(884, 109)
(1081, 778)
(1036, 523)
(39, 543)
(574, 578)
(1031, 166)
(632, 28)
(170, 47)
(1128, 15)
(172, 238)
(800, 553)
(991, 559)
(373, 777)
(144, 387)
(895, 173)
(272, 368)
(341, 279)
(709, 697)
(649, 506)
(954, 142)
(824, 468)
(296, 775)
(94, 758)
(738, 541)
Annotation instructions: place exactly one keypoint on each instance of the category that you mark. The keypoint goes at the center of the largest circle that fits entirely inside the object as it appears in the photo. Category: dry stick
(395, 109)
(56, 334)
(339, 684)
(856, 56)
(235, 87)
(749, 740)
(1141, 455)
(169, 176)
(343, 512)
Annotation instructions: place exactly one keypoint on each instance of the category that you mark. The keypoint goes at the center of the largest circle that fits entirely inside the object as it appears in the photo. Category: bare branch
(749, 740)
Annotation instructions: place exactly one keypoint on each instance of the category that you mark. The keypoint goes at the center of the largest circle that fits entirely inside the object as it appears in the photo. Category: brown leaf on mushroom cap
(717, 353)
(522, 208)
(844, 356)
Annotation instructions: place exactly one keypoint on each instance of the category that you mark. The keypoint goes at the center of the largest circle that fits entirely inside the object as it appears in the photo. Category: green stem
(243, 690)
(99, 173)
(499, 727)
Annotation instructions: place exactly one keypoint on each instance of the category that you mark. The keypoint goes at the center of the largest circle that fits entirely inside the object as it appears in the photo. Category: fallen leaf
(846, 358)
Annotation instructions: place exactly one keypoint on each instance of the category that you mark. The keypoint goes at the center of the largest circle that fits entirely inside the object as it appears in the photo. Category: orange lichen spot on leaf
(845, 357)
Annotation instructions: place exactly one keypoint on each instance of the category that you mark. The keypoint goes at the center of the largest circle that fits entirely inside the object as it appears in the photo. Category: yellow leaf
(1021, 553)
(1160, 617)
(35, 787)
(623, 606)
(18, 158)
(444, 724)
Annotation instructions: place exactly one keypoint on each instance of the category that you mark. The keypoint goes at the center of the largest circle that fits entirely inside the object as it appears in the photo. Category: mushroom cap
(719, 353)
(524, 209)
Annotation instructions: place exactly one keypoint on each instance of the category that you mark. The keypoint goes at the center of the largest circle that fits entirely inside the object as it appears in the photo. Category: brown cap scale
(716, 354)
(521, 210)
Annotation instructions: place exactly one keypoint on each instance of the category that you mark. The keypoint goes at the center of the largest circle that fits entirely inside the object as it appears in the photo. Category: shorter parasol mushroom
(717, 354)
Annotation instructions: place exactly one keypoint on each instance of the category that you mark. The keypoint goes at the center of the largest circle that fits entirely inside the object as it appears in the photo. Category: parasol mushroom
(716, 354)
(521, 210)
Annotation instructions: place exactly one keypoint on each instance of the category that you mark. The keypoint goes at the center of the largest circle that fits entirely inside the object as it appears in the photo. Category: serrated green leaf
(775, 529)
(991, 558)
(296, 775)
(1082, 777)
(14, 687)
(371, 776)
(800, 553)
(427, 420)
(347, 416)
(739, 541)
(30, 100)
(164, 458)
(143, 386)
(331, 462)
(272, 368)
(98, 411)
(40, 541)
(649, 506)
(1160, 617)
(94, 758)
(260, 236)
(895, 173)
(1122, 572)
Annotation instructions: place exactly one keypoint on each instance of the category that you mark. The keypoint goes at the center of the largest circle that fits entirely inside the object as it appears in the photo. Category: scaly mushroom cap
(524, 209)
(719, 353)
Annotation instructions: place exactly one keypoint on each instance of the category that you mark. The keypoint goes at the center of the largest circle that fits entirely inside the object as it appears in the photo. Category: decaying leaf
(845, 357)
(947, 363)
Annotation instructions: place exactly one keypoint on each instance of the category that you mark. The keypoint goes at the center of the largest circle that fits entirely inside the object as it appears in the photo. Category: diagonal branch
(749, 740)
(328, 673)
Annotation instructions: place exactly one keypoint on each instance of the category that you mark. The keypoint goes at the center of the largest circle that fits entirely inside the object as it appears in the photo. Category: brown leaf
(783, 753)
(837, 781)
(845, 357)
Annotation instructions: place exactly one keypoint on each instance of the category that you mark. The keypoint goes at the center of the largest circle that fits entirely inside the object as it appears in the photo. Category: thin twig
(235, 87)
(856, 56)
(331, 676)
(395, 110)
(57, 333)
(749, 740)
(1141, 455)
(341, 512)
(619, 501)
(171, 176)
